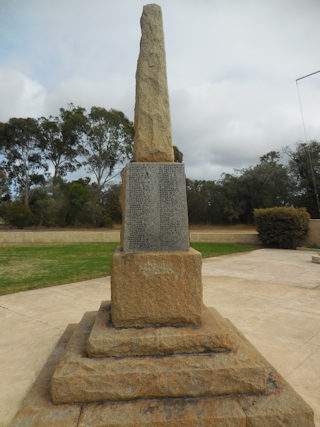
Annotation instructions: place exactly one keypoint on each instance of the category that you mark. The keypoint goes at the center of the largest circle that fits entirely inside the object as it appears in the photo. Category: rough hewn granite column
(152, 123)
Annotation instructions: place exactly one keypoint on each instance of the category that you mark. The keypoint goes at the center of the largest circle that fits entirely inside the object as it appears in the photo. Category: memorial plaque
(156, 217)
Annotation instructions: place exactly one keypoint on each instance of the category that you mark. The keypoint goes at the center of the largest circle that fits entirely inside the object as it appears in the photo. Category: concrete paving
(272, 296)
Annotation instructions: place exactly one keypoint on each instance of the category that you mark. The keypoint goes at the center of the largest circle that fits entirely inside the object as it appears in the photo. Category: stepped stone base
(105, 340)
(279, 405)
(78, 378)
(170, 283)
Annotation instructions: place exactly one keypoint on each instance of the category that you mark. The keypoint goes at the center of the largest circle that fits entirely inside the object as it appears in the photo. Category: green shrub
(17, 214)
(107, 222)
(282, 227)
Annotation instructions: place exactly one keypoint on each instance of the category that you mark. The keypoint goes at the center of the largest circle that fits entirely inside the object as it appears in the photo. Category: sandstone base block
(166, 412)
(105, 340)
(78, 378)
(156, 288)
(279, 405)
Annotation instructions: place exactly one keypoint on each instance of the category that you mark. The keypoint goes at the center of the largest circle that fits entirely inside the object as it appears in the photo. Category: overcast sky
(231, 67)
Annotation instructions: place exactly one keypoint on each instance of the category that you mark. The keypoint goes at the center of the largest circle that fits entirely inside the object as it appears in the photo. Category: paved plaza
(272, 296)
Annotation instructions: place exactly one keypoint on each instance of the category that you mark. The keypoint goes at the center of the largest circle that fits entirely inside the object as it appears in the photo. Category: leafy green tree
(264, 185)
(199, 197)
(22, 159)
(234, 197)
(48, 204)
(215, 202)
(61, 137)
(104, 211)
(229, 204)
(111, 202)
(59, 203)
(108, 143)
(178, 155)
(77, 195)
(304, 166)
(4, 186)
(16, 214)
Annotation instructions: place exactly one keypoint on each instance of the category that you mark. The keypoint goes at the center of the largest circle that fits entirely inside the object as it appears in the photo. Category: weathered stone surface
(37, 409)
(316, 259)
(281, 407)
(123, 204)
(274, 409)
(278, 406)
(156, 288)
(236, 388)
(152, 123)
(105, 340)
(167, 412)
(155, 215)
(78, 378)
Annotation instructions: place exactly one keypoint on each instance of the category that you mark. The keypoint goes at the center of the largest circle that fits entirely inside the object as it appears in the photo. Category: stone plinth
(152, 125)
(78, 378)
(163, 360)
(156, 288)
(154, 206)
(105, 340)
(170, 413)
(278, 405)
(316, 259)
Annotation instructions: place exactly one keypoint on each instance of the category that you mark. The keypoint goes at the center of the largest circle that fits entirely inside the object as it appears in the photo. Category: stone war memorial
(155, 355)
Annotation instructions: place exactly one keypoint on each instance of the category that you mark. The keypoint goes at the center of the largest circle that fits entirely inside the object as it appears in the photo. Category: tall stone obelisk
(152, 125)
(156, 277)
(156, 356)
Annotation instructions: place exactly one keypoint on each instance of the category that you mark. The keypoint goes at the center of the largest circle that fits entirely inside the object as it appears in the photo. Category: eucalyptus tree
(4, 186)
(61, 139)
(107, 143)
(304, 166)
(178, 155)
(22, 158)
(266, 184)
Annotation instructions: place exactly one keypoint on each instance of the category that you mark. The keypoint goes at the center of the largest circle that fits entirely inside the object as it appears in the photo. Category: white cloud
(113, 93)
(20, 95)
(230, 125)
(231, 70)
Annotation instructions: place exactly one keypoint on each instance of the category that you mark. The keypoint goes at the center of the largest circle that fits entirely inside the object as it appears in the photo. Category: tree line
(272, 182)
(38, 157)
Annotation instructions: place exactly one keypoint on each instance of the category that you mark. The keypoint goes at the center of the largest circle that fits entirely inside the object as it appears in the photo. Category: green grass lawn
(216, 249)
(28, 266)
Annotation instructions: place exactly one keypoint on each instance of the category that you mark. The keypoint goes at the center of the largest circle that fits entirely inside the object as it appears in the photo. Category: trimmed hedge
(282, 227)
